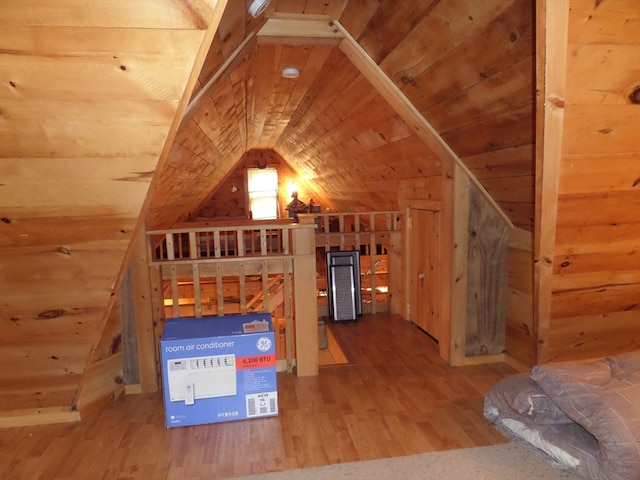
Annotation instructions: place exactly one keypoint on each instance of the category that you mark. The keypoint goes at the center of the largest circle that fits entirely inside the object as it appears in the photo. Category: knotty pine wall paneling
(592, 271)
(90, 96)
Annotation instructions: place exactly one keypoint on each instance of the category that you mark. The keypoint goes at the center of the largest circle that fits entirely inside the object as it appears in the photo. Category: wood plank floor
(395, 397)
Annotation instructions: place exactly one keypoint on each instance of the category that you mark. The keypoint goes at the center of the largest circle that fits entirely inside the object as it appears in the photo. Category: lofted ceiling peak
(344, 123)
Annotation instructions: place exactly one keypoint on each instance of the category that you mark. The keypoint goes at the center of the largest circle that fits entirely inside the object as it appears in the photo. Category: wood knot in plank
(50, 314)
(408, 80)
(556, 102)
(635, 96)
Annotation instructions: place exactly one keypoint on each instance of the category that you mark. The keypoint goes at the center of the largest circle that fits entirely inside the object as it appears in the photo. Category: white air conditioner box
(217, 369)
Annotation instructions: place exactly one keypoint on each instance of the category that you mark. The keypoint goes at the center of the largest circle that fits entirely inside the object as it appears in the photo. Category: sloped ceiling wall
(467, 66)
(88, 97)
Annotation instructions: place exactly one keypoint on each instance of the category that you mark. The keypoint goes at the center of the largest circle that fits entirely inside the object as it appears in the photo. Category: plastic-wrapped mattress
(585, 417)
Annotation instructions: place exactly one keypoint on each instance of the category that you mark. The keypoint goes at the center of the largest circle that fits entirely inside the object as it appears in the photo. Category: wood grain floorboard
(395, 397)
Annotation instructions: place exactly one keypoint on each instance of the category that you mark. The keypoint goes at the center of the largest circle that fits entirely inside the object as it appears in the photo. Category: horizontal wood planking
(509, 129)
(91, 95)
(39, 228)
(64, 13)
(596, 267)
(607, 299)
(602, 129)
(64, 262)
(503, 92)
(516, 189)
(599, 208)
(615, 23)
(501, 163)
(619, 261)
(595, 280)
(448, 25)
(36, 416)
(510, 34)
(593, 80)
(121, 182)
(583, 173)
(389, 26)
(599, 335)
(426, 188)
(606, 238)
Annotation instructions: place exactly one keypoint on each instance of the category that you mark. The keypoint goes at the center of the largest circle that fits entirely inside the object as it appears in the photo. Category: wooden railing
(215, 269)
(221, 242)
(372, 234)
(222, 270)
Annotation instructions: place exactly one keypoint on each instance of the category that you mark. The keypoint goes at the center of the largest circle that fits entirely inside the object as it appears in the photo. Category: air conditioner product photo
(218, 369)
(201, 377)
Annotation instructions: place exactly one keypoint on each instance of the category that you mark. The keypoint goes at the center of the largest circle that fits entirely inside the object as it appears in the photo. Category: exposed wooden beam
(548, 160)
(299, 30)
(409, 113)
(301, 26)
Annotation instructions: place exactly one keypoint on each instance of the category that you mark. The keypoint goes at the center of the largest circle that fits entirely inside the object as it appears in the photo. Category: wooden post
(548, 158)
(304, 270)
(456, 209)
(137, 315)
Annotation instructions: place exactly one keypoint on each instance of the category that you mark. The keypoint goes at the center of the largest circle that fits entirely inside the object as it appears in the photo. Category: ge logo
(263, 344)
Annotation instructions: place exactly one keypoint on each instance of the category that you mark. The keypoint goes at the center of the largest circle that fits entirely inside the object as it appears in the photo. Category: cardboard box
(218, 369)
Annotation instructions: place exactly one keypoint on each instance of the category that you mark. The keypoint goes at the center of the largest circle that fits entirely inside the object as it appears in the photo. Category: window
(262, 185)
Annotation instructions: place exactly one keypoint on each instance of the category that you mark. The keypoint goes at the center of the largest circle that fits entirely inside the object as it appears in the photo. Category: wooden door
(424, 270)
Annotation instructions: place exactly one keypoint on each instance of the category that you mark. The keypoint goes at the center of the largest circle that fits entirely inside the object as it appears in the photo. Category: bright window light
(262, 185)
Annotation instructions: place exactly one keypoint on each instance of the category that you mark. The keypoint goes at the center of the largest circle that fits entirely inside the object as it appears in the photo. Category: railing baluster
(219, 290)
(263, 241)
(288, 320)
(240, 243)
(216, 244)
(243, 290)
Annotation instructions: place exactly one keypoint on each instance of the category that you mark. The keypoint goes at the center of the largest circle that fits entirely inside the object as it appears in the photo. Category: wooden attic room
(499, 140)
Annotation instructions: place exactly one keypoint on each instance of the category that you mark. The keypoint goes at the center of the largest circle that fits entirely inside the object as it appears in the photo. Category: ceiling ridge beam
(300, 29)
(403, 107)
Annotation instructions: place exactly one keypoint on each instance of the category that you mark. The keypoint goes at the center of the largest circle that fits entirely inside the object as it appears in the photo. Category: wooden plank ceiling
(89, 93)
(466, 66)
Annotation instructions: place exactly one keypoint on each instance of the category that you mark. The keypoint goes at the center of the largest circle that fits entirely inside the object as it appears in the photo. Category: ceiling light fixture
(290, 72)
(256, 7)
